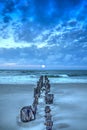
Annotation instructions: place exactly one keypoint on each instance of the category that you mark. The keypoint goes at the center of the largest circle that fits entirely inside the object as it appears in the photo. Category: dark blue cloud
(45, 11)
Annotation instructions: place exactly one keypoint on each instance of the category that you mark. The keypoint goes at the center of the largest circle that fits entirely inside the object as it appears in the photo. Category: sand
(69, 110)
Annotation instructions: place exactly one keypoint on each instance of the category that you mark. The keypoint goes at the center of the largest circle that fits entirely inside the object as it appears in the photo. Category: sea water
(31, 76)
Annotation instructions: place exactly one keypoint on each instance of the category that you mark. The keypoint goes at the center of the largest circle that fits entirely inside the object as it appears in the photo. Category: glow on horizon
(12, 65)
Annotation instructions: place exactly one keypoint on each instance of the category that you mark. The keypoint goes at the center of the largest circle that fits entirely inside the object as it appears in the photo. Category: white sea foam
(68, 80)
(63, 75)
(33, 79)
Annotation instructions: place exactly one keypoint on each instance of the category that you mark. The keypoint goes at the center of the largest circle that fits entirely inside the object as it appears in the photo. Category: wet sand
(69, 110)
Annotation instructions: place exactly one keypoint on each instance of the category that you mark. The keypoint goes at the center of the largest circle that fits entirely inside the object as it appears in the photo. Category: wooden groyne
(28, 113)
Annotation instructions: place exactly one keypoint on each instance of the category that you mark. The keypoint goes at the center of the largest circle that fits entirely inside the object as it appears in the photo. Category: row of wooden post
(43, 85)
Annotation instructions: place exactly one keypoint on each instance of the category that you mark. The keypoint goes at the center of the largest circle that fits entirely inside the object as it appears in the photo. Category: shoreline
(35, 84)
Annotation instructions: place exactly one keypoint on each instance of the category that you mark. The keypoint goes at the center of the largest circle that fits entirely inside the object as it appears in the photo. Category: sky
(43, 34)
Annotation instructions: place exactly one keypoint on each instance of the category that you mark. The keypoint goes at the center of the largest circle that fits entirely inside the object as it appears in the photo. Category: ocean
(31, 76)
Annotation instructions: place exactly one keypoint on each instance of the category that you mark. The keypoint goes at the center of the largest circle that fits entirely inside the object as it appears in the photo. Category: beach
(69, 110)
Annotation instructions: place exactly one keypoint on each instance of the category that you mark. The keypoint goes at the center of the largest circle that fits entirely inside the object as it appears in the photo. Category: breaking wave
(31, 77)
(58, 76)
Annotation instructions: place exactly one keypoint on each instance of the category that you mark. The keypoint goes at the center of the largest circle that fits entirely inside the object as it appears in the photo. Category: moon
(43, 66)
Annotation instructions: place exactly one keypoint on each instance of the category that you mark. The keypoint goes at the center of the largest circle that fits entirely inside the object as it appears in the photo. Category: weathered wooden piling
(49, 98)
